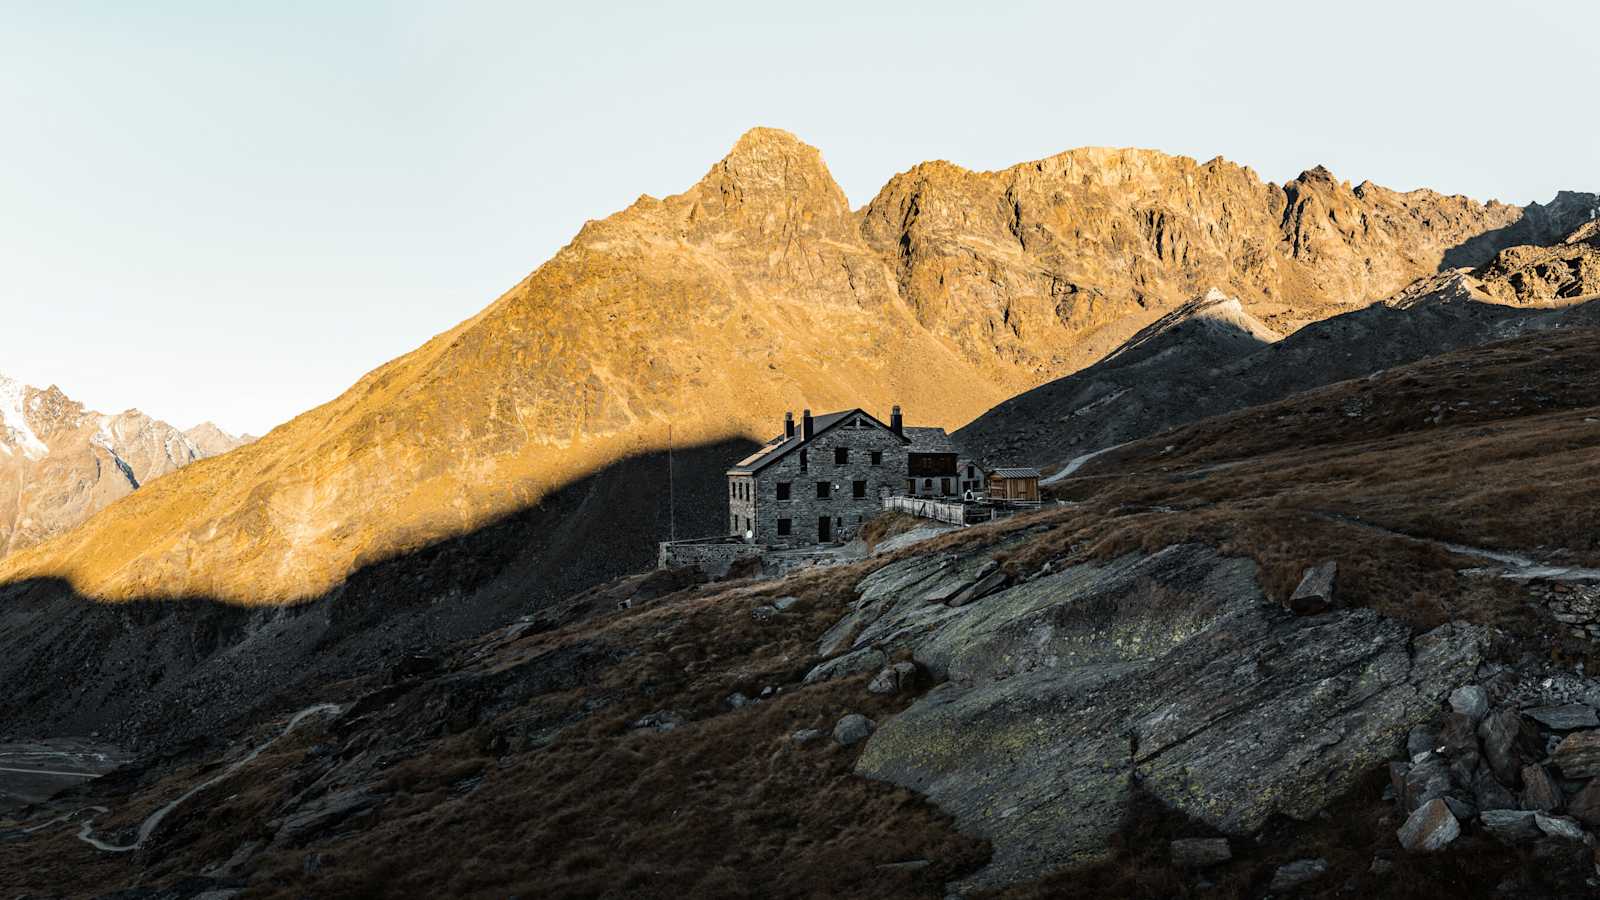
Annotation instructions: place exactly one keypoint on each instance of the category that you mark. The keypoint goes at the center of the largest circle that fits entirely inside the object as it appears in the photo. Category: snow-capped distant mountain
(61, 463)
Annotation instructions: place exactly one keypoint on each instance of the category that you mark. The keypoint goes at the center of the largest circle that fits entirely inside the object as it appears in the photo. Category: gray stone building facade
(819, 480)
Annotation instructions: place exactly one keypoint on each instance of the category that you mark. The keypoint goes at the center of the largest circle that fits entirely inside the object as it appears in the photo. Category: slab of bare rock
(1293, 875)
(1463, 809)
(1471, 701)
(1585, 804)
(1464, 766)
(1578, 755)
(1489, 793)
(1421, 739)
(1458, 735)
(783, 604)
(1510, 825)
(867, 659)
(894, 679)
(1315, 592)
(1430, 827)
(891, 603)
(320, 815)
(1427, 778)
(1505, 745)
(1200, 853)
(853, 729)
(1539, 791)
(1566, 717)
(980, 589)
(240, 862)
(1169, 669)
(1562, 827)
(806, 736)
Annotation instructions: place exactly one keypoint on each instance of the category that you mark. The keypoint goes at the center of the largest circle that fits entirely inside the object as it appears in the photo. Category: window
(823, 490)
(783, 490)
(733, 490)
(802, 460)
(858, 489)
(841, 456)
(969, 472)
(927, 484)
(877, 457)
(911, 485)
(733, 525)
(784, 527)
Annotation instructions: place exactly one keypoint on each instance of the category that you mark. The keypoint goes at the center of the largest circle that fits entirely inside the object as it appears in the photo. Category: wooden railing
(958, 512)
(950, 513)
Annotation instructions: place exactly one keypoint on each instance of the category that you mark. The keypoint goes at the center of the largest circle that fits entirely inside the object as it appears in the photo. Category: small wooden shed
(1014, 484)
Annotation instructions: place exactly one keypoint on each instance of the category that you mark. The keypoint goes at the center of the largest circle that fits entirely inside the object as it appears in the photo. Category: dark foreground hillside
(1050, 701)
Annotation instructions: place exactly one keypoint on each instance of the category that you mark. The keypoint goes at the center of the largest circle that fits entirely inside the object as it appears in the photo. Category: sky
(232, 214)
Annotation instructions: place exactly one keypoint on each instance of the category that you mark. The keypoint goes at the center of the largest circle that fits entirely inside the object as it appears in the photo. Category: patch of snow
(15, 420)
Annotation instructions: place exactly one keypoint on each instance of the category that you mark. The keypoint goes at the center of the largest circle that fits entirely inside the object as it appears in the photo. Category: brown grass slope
(713, 310)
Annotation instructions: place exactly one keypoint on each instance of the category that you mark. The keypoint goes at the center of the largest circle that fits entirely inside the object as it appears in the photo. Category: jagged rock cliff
(1209, 356)
(712, 311)
(1048, 265)
(61, 463)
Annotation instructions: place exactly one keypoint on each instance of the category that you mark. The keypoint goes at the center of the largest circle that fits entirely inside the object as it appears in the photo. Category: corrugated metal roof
(1015, 472)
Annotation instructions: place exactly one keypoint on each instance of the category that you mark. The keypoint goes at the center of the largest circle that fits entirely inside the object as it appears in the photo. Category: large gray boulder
(1578, 755)
(853, 729)
(1168, 674)
(1431, 827)
(1471, 701)
(1314, 594)
(1510, 825)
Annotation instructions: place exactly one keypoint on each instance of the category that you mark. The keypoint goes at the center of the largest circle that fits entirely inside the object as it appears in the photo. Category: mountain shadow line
(154, 672)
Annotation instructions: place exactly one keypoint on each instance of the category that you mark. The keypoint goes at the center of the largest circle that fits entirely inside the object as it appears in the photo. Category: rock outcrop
(1169, 676)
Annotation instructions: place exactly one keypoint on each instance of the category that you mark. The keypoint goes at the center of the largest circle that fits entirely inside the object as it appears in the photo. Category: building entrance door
(824, 530)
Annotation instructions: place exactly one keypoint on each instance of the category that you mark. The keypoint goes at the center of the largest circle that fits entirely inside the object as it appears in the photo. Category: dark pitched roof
(781, 446)
(1015, 472)
(931, 440)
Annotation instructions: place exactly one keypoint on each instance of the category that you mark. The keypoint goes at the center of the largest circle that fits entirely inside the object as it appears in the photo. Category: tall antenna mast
(672, 495)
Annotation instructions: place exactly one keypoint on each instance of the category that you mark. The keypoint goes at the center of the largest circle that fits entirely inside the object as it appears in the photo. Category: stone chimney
(805, 425)
(897, 424)
(788, 424)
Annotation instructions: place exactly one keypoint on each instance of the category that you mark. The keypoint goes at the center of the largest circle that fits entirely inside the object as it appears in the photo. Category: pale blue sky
(233, 215)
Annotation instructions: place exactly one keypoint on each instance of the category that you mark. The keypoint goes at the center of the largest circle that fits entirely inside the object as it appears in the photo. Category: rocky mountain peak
(210, 440)
(773, 180)
(61, 463)
(1318, 174)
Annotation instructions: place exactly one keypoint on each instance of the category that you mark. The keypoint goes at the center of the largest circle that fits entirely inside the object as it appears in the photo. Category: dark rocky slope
(1129, 654)
(1197, 363)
